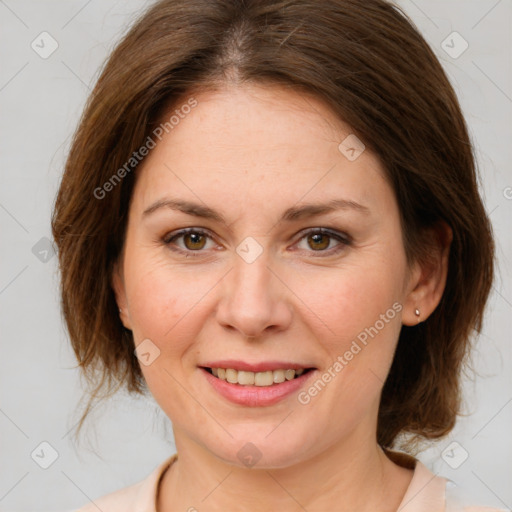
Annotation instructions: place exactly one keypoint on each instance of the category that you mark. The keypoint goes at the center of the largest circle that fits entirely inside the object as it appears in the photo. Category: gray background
(41, 100)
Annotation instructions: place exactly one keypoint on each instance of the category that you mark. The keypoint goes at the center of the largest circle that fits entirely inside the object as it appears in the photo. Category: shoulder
(123, 499)
(139, 497)
(459, 499)
(429, 492)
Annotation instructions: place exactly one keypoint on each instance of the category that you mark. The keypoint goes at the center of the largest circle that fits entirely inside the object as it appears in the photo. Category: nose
(254, 300)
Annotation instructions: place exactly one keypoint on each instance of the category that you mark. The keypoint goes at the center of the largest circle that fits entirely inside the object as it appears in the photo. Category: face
(227, 262)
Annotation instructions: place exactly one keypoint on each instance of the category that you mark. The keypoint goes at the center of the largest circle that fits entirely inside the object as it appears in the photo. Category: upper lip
(263, 366)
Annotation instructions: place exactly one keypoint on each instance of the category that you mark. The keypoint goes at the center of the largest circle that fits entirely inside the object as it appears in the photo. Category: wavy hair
(369, 63)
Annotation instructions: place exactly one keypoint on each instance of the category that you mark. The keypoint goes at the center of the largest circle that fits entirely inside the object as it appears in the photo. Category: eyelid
(339, 235)
(344, 240)
(182, 232)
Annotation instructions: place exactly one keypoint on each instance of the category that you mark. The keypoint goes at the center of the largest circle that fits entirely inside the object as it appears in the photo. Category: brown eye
(189, 242)
(319, 241)
(194, 241)
(324, 242)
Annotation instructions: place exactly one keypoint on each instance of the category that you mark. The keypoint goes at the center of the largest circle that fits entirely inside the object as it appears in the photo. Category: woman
(268, 219)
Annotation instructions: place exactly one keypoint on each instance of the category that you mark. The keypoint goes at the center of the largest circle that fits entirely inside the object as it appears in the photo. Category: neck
(352, 475)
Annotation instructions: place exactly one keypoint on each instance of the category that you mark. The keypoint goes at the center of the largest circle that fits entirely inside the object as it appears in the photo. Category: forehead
(262, 144)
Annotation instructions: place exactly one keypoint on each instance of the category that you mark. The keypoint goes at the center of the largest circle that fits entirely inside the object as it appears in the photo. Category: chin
(262, 453)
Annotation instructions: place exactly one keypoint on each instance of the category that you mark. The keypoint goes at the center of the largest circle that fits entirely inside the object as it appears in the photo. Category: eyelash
(343, 238)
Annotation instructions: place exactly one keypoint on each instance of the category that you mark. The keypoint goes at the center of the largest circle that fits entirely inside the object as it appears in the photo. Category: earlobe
(411, 313)
(117, 283)
(428, 280)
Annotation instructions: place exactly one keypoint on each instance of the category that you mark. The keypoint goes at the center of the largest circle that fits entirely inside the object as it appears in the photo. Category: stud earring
(417, 313)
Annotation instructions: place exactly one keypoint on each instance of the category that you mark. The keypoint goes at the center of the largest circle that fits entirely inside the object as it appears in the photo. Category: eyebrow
(291, 214)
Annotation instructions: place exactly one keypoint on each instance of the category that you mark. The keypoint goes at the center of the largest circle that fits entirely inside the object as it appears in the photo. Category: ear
(427, 278)
(117, 283)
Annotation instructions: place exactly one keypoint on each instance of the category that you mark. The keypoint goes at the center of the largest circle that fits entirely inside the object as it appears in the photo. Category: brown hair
(369, 63)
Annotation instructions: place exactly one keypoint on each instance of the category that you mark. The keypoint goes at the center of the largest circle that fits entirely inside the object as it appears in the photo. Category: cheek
(359, 320)
(349, 300)
(164, 308)
(158, 299)
(168, 303)
(360, 323)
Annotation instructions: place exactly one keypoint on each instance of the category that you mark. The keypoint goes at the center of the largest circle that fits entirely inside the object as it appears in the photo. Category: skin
(250, 153)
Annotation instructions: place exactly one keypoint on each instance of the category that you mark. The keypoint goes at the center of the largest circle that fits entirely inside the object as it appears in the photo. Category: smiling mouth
(262, 379)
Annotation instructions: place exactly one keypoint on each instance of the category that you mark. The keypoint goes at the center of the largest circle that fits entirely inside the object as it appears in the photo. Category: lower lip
(256, 396)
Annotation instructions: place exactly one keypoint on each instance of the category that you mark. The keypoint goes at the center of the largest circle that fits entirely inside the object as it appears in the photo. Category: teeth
(246, 378)
(267, 378)
(263, 378)
(231, 375)
(279, 376)
(289, 374)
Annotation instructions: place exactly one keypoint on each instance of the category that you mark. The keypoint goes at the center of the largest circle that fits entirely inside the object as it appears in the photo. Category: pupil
(194, 241)
(317, 241)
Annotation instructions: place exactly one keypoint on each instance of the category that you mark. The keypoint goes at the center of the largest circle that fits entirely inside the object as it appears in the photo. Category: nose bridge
(253, 298)
(252, 279)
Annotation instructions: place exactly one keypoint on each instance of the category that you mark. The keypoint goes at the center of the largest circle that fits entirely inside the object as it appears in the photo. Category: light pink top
(426, 492)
